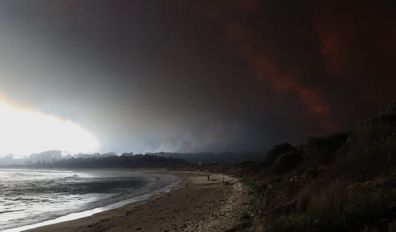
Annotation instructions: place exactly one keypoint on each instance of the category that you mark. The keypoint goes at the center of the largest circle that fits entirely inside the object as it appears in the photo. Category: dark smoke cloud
(242, 36)
(200, 75)
(279, 80)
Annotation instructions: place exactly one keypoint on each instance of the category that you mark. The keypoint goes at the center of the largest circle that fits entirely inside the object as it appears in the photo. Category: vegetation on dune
(342, 182)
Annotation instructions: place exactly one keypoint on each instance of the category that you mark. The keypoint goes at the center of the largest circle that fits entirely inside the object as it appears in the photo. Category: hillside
(342, 182)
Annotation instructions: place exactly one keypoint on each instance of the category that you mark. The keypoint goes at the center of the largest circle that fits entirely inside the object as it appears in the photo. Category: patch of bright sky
(23, 132)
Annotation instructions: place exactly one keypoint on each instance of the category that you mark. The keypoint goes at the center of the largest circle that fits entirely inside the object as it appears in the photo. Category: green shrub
(249, 182)
(278, 150)
(244, 216)
(342, 207)
(322, 150)
(365, 205)
(287, 161)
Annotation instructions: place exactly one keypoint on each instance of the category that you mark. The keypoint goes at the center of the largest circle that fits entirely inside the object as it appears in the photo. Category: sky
(193, 76)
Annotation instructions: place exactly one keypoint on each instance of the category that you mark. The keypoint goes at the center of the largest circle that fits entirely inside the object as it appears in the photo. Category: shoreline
(142, 197)
(196, 204)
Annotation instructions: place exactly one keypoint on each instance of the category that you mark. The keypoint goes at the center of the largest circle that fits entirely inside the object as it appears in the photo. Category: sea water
(29, 197)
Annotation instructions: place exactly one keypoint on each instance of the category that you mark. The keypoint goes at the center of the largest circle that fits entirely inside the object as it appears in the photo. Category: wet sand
(198, 204)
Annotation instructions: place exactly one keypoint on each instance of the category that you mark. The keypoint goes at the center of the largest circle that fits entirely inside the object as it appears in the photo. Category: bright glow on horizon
(24, 132)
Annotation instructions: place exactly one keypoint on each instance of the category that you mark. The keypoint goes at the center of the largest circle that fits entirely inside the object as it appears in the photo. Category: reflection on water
(31, 196)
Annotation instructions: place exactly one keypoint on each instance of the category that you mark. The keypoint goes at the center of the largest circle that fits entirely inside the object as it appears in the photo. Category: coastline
(197, 204)
(163, 183)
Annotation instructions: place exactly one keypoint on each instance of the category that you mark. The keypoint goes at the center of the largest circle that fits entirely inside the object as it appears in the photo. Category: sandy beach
(198, 204)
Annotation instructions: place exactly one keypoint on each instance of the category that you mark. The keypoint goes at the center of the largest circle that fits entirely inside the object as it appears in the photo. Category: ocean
(31, 198)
